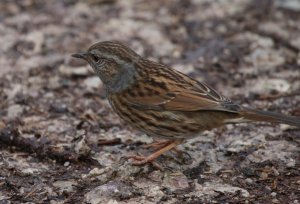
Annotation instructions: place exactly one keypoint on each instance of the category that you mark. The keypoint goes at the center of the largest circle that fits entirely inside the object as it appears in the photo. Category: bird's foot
(166, 146)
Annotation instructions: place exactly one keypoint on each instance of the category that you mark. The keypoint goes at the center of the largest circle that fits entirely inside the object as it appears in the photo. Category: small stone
(104, 159)
(81, 147)
(22, 190)
(156, 192)
(58, 108)
(249, 181)
(102, 175)
(37, 38)
(29, 171)
(291, 163)
(127, 170)
(275, 171)
(156, 176)
(56, 202)
(145, 139)
(92, 82)
(65, 186)
(69, 71)
(175, 182)
(185, 68)
(268, 188)
(273, 194)
(2, 125)
(285, 127)
(14, 111)
(293, 5)
(264, 175)
(275, 200)
(11, 93)
(265, 58)
(66, 163)
(96, 171)
(265, 85)
(112, 202)
(109, 191)
(213, 187)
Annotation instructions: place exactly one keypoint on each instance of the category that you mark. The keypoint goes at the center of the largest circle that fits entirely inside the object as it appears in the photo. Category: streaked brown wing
(186, 95)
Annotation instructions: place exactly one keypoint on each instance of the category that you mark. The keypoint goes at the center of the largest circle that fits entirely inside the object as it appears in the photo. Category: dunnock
(163, 102)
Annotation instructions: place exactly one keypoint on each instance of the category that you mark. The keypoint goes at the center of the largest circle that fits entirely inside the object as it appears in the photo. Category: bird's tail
(266, 116)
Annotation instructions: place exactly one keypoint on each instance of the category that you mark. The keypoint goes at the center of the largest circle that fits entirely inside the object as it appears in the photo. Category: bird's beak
(81, 55)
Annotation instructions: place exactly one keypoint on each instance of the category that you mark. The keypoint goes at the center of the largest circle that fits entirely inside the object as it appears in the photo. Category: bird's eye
(98, 60)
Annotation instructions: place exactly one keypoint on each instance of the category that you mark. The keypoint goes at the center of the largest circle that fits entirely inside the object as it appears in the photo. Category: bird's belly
(170, 124)
(164, 124)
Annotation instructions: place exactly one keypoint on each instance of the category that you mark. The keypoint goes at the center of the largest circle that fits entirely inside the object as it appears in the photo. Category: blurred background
(54, 116)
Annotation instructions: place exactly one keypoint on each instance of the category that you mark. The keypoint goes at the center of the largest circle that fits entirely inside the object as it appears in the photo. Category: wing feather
(189, 98)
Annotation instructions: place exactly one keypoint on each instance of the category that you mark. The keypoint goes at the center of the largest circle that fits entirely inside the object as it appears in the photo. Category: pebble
(249, 181)
(14, 111)
(291, 163)
(293, 5)
(107, 192)
(275, 171)
(71, 71)
(2, 125)
(92, 82)
(273, 194)
(65, 186)
(175, 182)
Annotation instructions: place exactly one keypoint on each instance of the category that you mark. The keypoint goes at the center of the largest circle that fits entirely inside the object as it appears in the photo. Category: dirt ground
(60, 142)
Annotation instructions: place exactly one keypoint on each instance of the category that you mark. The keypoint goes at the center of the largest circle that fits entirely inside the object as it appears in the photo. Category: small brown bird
(163, 102)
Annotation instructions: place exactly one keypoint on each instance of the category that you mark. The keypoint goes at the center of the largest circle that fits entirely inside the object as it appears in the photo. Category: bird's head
(113, 62)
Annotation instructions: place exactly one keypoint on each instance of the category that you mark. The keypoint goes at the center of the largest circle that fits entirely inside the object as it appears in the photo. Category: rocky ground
(61, 143)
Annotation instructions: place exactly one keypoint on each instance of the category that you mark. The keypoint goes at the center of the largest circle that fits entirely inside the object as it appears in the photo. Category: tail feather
(258, 115)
